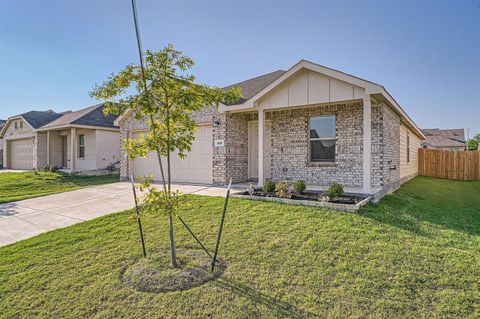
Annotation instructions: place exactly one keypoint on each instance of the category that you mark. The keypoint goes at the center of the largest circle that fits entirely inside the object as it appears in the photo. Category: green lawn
(416, 254)
(17, 186)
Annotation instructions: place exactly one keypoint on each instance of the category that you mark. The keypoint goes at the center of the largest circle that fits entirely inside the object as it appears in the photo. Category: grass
(416, 254)
(18, 186)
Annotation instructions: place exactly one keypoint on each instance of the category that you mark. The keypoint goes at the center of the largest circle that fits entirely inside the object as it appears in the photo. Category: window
(21, 125)
(81, 146)
(16, 125)
(408, 148)
(424, 145)
(323, 136)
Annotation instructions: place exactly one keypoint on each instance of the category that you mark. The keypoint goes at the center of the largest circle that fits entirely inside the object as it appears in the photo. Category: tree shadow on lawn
(412, 207)
(281, 308)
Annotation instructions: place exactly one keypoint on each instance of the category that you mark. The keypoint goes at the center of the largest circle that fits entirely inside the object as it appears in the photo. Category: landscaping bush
(268, 186)
(334, 190)
(46, 168)
(54, 168)
(299, 186)
(281, 189)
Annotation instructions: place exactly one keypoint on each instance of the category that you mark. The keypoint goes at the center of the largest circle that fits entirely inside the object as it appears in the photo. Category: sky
(425, 53)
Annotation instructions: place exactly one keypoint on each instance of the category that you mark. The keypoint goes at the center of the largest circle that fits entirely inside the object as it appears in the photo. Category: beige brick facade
(289, 144)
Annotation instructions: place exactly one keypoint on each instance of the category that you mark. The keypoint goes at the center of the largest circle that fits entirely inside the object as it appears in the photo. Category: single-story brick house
(309, 123)
(84, 141)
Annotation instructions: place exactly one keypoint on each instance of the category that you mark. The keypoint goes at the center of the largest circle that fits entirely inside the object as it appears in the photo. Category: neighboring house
(2, 123)
(19, 138)
(307, 123)
(78, 142)
(448, 139)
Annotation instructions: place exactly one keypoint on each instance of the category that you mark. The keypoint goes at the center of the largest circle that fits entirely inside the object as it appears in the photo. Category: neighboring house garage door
(197, 167)
(20, 154)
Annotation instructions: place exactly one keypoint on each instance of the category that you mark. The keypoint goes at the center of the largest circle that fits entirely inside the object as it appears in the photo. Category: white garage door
(197, 167)
(21, 154)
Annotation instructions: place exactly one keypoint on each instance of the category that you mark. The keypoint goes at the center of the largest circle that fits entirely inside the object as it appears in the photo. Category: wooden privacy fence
(449, 164)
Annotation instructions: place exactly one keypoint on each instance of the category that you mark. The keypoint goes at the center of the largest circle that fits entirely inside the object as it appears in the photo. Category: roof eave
(403, 114)
(66, 126)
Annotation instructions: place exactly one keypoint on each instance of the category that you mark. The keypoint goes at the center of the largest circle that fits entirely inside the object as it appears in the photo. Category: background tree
(166, 100)
(472, 144)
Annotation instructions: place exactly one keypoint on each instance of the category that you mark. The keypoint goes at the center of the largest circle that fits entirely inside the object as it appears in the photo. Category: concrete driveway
(30, 217)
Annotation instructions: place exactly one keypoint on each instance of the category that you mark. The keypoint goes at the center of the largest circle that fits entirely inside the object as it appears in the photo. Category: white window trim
(321, 139)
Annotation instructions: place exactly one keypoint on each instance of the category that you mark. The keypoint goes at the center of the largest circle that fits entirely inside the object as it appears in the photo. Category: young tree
(165, 95)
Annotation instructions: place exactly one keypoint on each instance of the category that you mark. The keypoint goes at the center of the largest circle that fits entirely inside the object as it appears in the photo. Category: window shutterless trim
(81, 146)
(310, 139)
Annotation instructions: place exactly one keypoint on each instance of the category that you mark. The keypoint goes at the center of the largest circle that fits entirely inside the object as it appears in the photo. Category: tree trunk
(172, 241)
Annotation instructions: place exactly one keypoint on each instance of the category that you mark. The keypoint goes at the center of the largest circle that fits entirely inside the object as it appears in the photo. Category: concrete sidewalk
(30, 217)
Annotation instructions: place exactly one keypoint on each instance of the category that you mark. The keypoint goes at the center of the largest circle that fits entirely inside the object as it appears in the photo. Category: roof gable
(370, 88)
(309, 87)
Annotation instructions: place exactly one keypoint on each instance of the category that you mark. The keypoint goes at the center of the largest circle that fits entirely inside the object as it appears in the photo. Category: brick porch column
(367, 144)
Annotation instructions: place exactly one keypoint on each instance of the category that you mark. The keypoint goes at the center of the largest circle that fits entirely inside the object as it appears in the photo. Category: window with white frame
(322, 138)
(81, 146)
(21, 124)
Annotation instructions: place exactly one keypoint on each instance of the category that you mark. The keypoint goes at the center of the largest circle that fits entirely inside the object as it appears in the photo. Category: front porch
(278, 146)
(66, 149)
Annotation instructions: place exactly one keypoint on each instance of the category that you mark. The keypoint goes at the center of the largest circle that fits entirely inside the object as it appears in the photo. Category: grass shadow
(281, 308)
(454, 205)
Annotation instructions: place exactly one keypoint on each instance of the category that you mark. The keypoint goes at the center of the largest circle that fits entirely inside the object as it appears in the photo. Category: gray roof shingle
(39, 118)
(91, 116)
(444, 138)
(253, 86)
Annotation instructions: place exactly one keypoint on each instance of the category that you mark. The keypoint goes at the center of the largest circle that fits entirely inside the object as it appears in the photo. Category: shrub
(53, 168)
(251, 188)
(334, 190)
(281, 189)
(46, 168)
(268, 186)
(299, 186)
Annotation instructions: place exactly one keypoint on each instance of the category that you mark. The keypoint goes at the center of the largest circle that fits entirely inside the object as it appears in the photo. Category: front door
(253, 150)
(64, 151)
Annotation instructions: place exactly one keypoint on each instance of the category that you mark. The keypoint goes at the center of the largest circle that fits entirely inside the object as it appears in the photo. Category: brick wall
(290, 158)
(391, 142)
(289, 145)
(385, 165)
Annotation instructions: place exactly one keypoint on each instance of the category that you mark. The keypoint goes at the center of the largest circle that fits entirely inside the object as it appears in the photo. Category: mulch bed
(154, 273)
(311, 196)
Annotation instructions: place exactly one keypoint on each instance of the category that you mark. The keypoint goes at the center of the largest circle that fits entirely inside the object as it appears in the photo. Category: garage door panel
(196, 167)
(20, 154)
